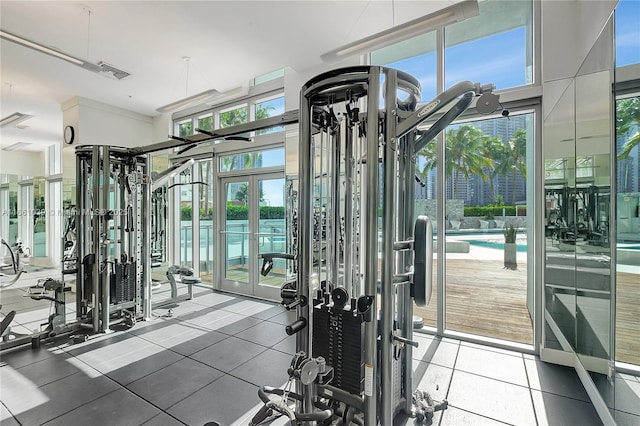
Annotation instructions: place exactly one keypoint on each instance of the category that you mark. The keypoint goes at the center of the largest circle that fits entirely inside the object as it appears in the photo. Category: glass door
(252, 223)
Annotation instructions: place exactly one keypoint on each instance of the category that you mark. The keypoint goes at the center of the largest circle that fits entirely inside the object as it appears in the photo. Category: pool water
(496, 245)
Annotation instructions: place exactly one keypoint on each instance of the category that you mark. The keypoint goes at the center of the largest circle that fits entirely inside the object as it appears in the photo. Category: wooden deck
(484, 299)
(628, 318)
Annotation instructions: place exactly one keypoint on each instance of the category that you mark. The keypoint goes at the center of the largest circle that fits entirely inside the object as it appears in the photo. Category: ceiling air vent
(113, 71)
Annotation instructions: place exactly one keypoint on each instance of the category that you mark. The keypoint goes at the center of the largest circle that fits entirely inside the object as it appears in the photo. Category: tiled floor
(206, 361)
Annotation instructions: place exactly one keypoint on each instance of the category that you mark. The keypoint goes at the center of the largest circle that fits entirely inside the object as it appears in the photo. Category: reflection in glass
(39, 219)
(592, 210)
(560, 228)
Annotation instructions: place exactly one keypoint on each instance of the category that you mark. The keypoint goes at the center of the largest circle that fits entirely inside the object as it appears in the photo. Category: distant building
(475, 191)
(627, 174)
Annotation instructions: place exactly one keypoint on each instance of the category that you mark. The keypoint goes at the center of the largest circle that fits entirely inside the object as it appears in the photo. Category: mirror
(39, 237)
(594, 126)
(579, 274)
(560, 228)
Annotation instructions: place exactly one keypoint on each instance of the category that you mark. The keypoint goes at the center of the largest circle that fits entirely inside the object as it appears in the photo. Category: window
(233, 117)
(416, 57)
(493, 47)
(268, 76)
(205, 122)
(185, 128)
(269, 108)
(54, 154)
(252, 160)
(627, 33)
(584, 168)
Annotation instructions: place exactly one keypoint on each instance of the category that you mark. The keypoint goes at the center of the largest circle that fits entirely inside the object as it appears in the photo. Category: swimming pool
(496, 245)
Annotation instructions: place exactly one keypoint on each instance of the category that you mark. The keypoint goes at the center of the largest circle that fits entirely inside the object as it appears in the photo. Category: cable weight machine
(362, 259)
(113, 277)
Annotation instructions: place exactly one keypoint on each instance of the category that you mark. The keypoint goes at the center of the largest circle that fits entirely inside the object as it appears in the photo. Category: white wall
(96, 123)
(27, 163)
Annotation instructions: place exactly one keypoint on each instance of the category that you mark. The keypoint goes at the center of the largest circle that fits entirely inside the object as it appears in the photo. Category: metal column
(387, 295)
(305, 223)
(371, 247)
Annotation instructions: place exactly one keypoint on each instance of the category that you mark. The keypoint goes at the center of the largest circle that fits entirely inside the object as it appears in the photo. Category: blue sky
(498, 59)
(627, 32)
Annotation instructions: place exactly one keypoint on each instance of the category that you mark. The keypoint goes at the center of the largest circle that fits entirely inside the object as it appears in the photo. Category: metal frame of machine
(361, 260)
(113, 277)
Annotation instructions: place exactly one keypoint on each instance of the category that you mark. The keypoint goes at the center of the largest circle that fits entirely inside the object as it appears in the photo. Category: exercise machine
(113, 245)
(578, 215)
(14, 269)
(362, 259)
(47, 289)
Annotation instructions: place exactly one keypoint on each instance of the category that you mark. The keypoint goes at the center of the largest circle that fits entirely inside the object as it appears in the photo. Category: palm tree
(463, 154)
(493, 147)
(628, 114)
(242, 194)
(465, 149)
(514, 159)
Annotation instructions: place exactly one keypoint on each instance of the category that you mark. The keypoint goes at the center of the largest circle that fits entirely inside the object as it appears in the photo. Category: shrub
(489, 212)
(510, 234)
(185, 213)
(271, 212)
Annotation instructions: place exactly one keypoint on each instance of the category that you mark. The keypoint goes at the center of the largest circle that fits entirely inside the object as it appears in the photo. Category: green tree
(628, 115)
(464, 155)
(493, 148)
(514, 160)
(233, 117)
(239, 115)
(242, 194)
(205, 169)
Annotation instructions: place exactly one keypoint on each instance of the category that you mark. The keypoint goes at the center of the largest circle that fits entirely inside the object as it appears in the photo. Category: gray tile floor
(205, 363)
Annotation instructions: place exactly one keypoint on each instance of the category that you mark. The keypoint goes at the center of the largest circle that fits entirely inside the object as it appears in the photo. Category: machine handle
(295, 326)
(405, 341)
(292, 305)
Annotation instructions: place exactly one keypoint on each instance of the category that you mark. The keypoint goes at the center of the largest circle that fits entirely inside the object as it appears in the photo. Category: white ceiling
(229, 43)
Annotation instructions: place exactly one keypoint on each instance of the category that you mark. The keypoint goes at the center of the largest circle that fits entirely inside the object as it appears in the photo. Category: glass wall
(207, 215)
(495, 46)
(185, 213)
(39, 218)
(482, 182)
(416, 57)
(268, 108)
(487, 226)
(626, 401)
(627, 33)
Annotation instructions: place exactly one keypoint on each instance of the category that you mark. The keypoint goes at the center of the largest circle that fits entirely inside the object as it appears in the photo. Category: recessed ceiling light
(13, 119)
(16, 146)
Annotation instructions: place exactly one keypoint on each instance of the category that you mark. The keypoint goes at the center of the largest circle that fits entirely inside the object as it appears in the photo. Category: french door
(252, 222)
